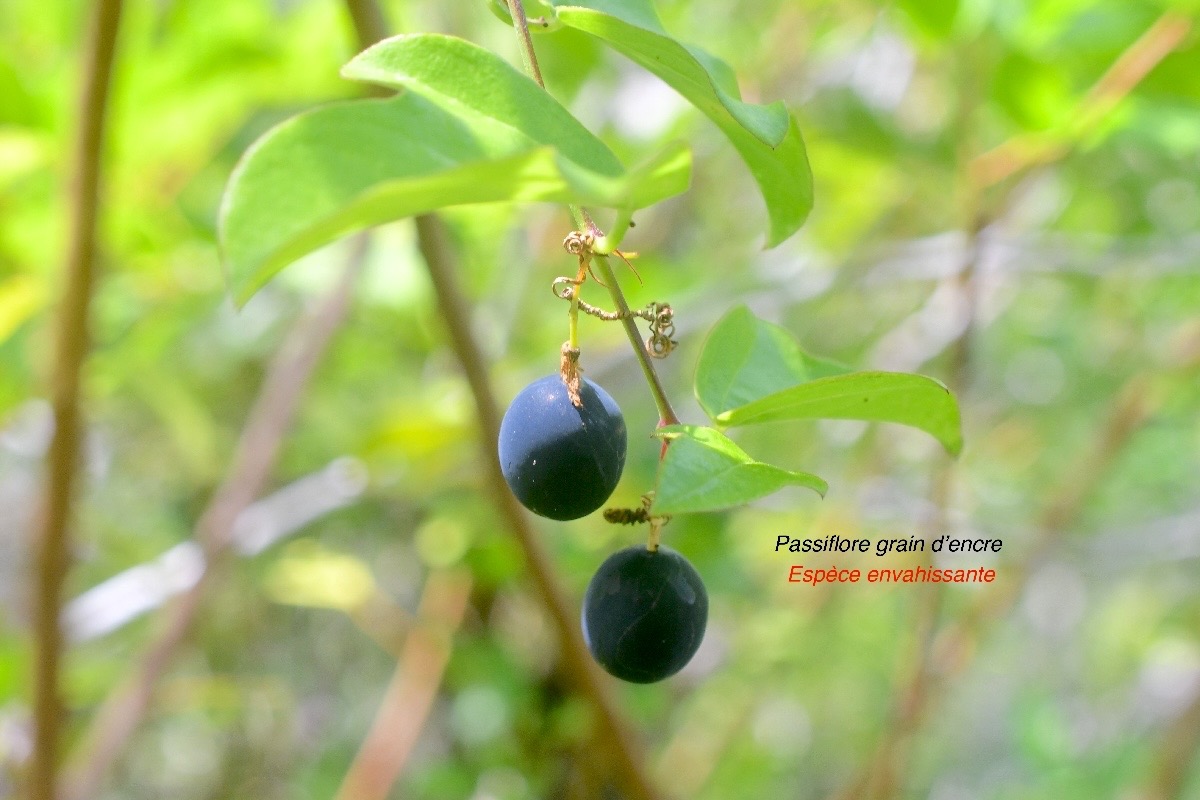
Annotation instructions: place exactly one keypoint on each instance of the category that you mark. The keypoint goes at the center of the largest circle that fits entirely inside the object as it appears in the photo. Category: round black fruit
(562, 462)
(644, 614)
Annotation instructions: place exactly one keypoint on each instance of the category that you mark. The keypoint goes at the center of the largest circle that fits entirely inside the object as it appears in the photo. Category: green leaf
(746, 358)
(912, 400)
(473, 83)
(766, 136)
(703, 470)
(470, 129)
(752, 371)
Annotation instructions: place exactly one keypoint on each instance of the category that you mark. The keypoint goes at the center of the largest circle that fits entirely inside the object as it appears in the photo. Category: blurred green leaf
(21, 296)
(21, 152)
(933, 17)
(1034, 94)
(703, 470)
(746, 359)
(913, 400)
(766, 136)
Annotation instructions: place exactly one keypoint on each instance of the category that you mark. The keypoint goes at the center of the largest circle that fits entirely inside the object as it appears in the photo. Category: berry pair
(645, 610)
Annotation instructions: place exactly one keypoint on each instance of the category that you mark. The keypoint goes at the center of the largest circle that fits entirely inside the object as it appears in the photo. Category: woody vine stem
(600, 248)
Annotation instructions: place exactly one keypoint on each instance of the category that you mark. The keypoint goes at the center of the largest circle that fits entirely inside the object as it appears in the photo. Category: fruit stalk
(584, 222)
(573, 313)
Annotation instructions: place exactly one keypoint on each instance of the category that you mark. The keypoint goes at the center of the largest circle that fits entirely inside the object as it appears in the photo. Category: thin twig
(666, 413)
(53, 541)
(409, 698)
(1134, 64)
(262, 435)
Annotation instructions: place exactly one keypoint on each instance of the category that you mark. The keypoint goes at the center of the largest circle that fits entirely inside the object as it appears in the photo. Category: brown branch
(53, 535)
(576, 662)
(410, 695)
(1134, 64)
(262, 435)
(370, 24)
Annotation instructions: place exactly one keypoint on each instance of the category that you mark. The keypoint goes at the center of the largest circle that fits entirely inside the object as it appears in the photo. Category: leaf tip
(954, 446)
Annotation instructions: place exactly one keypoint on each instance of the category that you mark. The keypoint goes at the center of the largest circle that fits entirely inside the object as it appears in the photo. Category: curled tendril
(660, 316)
(662, 330)
(563, 287)
(579, 243)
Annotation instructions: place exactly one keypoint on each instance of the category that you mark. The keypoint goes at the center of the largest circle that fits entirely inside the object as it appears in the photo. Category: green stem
(665, 412)
(607, 244)
(573, 318)
(580, 218)
(517, 9)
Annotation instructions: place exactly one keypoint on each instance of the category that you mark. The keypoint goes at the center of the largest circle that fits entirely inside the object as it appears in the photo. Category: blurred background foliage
(1061, 303)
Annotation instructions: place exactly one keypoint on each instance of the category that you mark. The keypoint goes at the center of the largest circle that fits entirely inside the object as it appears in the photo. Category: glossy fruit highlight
(644, 614)
(562, 462)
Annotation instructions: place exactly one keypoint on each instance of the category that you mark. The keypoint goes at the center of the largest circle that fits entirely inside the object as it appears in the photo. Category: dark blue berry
(644, 614)
(562, 462)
